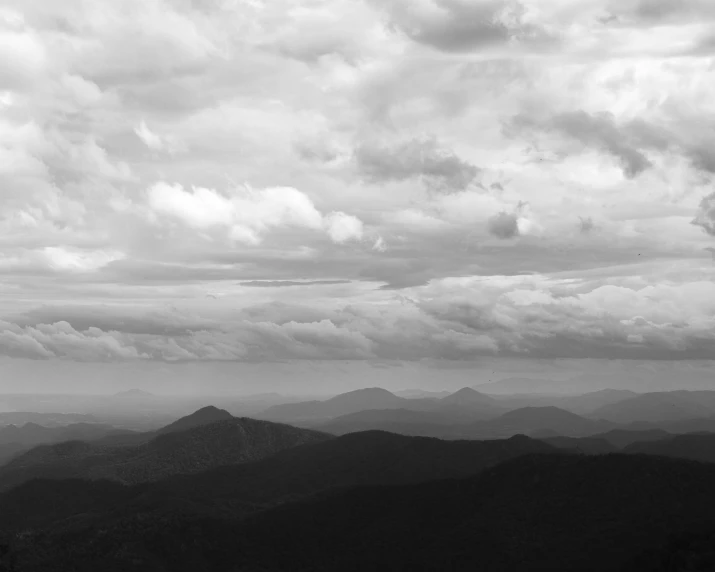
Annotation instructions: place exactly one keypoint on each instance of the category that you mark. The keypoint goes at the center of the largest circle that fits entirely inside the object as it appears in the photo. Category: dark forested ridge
(535, 512)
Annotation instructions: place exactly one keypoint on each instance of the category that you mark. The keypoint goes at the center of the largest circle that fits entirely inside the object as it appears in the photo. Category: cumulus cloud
(423, 158)
(247, 213)
(342, 227)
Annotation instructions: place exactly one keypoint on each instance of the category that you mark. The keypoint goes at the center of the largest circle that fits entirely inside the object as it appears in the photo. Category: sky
(204, 185)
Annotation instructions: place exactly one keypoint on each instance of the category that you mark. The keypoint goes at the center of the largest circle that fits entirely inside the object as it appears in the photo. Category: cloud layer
(404, 179)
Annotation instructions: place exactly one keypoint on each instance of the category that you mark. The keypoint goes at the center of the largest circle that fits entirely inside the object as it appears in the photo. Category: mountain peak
(203, 416)
(468, 395)
(369, 394)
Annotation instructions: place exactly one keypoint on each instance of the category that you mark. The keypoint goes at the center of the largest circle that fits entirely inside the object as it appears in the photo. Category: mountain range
(211, 491)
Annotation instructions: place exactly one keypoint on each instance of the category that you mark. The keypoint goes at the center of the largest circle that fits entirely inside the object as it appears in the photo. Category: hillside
(655, 408)
(590, 402)
(536, 512)
(529, 420)
(584, 445)
(236, 440)
(621, 438)
(358, 459)
(697, 447)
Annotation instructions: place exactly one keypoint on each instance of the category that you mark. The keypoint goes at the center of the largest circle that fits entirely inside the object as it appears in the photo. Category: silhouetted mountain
(344, 404)
(695, 446)
(655, 408)
(621, 438)
(537, 512)
(590, 402)
(231, 441)
(203, 416)
(532, 419)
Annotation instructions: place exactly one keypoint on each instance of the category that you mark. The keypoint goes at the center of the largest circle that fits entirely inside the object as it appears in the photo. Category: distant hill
(621, 438)
(585, 445)
(343, 404)
(535, 512)
(469, 397)
(455, 423)
(401, 421)
(44, 419)
(532, 419)
(694, 446)
(654, 407)
(590, 402)
(231, 441)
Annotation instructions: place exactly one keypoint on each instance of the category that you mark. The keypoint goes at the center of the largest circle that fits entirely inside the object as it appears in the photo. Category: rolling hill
(695, 446)
(532, 419)
(655, 408)
(344, 404)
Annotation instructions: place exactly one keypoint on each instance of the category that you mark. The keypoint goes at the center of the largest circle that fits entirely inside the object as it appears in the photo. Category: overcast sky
(265, 180)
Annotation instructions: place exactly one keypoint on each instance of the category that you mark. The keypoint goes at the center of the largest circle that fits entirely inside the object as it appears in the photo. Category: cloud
(247, 213)
(286, 283)
(424, 158)
(597, 130)
(504, 225)
(342, 227)
(461, 26)
(125, 130)
(152, 140)
(705, 217)
(628, 317)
